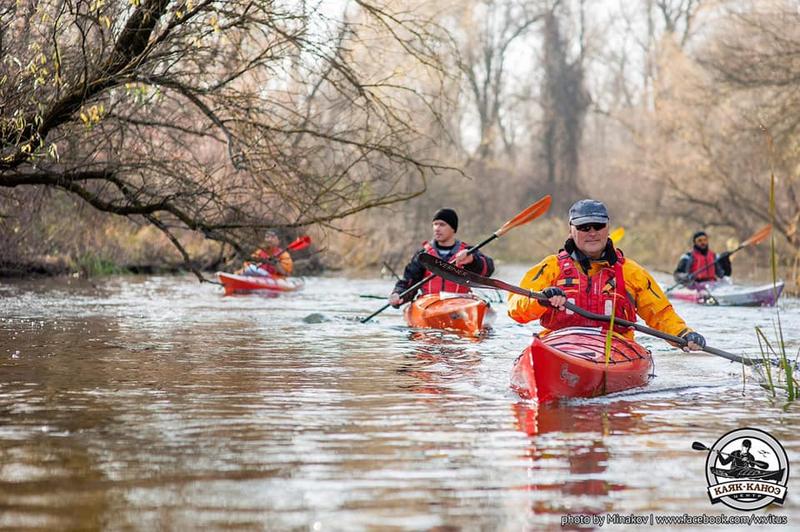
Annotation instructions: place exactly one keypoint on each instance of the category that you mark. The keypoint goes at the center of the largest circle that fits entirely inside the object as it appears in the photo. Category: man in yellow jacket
(595, 276)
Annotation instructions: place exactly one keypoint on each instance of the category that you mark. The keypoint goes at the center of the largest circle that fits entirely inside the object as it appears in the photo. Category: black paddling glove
(695, 337)
(552, 291)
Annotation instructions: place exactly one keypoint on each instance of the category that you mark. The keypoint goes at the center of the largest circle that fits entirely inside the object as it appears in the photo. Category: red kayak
(571, 362)
(465, 313)
(242, 284)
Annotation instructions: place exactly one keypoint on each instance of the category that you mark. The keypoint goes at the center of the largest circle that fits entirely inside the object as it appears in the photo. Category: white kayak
(728, 294)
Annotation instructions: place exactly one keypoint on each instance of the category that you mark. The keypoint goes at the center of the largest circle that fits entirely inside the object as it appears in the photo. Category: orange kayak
(571, 362)
(239, 284)
(465, 313)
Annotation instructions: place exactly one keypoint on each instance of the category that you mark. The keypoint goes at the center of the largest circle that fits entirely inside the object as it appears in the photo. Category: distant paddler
(271, 259)
(447, 247)
(701, 264)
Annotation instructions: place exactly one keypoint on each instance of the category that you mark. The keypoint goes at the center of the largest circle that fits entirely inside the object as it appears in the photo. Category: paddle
(697, 446)
(530, 213)
(391, 270)
(473, 280)
(758, 237)
(301, 242)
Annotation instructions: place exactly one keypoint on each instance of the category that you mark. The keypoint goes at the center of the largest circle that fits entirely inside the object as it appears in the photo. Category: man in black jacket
(700, 264)
(445, 246)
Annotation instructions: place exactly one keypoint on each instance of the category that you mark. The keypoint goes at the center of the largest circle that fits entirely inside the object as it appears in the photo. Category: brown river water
(155, 403)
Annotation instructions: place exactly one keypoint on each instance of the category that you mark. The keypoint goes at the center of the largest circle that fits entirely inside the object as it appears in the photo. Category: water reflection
(603, 419)
(437, 359)
(578, 484)
(156, 403)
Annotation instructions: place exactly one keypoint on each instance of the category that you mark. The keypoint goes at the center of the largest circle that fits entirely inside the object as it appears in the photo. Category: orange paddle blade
(758, 237)
(300, 243)
(531, 213)
(617, 234)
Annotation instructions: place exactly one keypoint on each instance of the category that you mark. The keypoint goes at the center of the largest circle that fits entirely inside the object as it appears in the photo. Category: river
(157, 403)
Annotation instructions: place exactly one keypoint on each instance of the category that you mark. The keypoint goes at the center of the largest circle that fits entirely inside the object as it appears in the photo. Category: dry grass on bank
(65, 237)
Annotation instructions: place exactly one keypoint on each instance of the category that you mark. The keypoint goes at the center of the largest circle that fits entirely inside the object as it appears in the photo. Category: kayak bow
(571, 362)
(465, 313)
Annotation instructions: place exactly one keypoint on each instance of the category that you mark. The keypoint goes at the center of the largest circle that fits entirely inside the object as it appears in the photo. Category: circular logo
(746, 469)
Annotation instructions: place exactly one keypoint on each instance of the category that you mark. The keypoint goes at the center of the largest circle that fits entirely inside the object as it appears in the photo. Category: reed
(93, 265)
(784, 378)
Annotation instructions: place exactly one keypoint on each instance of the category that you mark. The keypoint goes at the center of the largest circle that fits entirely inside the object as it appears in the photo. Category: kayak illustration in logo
(747, 469)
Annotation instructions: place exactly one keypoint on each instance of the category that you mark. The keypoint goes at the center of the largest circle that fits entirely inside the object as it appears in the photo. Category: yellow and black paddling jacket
(601, 293)
(591, 288)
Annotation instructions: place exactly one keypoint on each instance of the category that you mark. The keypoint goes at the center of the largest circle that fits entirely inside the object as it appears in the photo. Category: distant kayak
(242, 284)
(465, 313)
(571, 362)
(725, 293)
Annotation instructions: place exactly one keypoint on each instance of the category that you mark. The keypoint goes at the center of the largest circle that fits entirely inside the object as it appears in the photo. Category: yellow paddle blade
(758, 237)
(616, 235)
(530, 213)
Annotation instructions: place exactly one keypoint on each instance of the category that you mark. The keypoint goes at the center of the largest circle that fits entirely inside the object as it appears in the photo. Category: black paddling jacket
(415, 271)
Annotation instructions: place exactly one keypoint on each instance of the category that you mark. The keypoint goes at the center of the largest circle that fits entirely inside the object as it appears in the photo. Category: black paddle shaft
(466, 278)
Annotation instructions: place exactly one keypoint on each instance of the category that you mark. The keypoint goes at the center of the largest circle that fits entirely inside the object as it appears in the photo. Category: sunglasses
(584, 228)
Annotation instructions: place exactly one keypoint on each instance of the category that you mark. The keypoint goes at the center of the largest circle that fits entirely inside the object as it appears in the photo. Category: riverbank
(116, 247)
(63, 266)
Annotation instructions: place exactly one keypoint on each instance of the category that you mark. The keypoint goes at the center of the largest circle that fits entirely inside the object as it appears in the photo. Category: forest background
(147, 135)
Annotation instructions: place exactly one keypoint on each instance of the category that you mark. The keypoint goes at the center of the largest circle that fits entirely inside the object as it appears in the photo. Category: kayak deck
(747, 473)
(571, 362)
(465, 313)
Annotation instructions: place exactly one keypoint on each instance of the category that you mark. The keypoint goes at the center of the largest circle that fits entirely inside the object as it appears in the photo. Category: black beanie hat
(698, 234)
(449, 216)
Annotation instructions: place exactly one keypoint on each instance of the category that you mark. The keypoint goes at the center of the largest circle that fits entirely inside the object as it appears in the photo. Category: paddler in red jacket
(272, 260)
(702, 263)
(445, 246)
(594, 275)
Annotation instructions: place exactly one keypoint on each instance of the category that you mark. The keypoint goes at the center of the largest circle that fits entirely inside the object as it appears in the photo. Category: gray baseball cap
(588, 211)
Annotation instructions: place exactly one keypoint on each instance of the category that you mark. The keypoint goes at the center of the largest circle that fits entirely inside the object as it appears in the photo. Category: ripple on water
(157, 403)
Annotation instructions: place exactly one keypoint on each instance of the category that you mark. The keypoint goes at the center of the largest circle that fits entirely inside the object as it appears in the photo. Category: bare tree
(565, 102)
(754, 58)
(678, 17)
(489, 32)
(220, 117)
